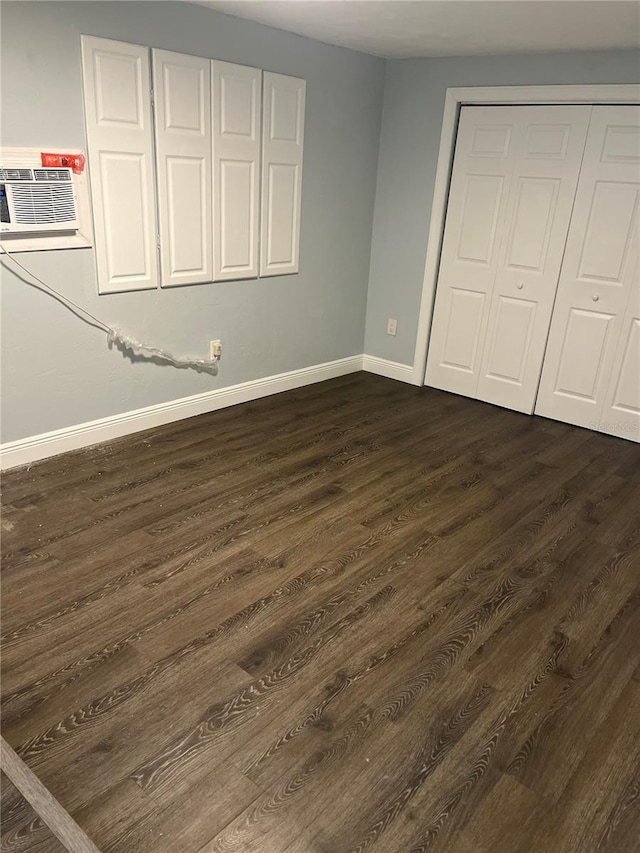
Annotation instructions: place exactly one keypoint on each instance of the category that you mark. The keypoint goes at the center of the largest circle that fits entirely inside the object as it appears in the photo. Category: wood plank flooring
(356, 616)
(37, 801)
(22, 829)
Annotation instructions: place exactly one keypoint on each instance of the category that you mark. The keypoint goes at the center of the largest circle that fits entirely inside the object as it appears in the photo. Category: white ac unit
(34, 199)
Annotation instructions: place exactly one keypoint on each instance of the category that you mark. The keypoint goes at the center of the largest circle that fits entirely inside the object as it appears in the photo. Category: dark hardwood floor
(22, 829)
(355, 616)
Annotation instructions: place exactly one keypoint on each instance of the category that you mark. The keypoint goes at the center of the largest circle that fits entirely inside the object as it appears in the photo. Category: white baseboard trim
(390, 369)
(27, 450)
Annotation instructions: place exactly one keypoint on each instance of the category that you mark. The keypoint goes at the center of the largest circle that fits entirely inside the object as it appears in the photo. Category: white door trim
(486, 95)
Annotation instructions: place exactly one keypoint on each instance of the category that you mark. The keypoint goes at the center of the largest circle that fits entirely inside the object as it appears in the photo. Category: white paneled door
(195, 167)
(483, 163)
(237, 96)
(542, 189)
(183, 152)
(283, 136)
(621, 413)
(591, 374)
(120, 145)
(512, 191)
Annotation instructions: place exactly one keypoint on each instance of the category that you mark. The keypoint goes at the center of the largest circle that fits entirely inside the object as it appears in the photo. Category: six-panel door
(483, 163)
(550, 143)
(513, 184)
(591, 373)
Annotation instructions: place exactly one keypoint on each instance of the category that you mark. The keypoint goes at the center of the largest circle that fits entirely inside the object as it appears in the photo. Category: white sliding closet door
(236, 157)
(543, 186)
(283, 133)
(591, 373)
(621, 413)
(483, 163)
(512, 189)
(117, 97)
(183, 151)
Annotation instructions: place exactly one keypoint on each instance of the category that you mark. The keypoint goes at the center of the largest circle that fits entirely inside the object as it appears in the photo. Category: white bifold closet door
(120, 147)
(513, 185)
(282, 143)
(237, 100)
(591, 373)
(182, 90)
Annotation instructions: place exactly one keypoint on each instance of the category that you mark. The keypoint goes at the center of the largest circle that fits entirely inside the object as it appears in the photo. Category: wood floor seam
(59, 821)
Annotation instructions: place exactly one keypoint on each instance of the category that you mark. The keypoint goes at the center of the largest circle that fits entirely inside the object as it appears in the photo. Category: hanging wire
(115, 338)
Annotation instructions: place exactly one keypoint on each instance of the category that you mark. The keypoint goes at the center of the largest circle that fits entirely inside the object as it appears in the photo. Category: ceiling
(422, 28)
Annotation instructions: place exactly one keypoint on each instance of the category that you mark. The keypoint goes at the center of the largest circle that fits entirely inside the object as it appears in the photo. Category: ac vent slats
(16, 174)
(41, 204)
(52, 174)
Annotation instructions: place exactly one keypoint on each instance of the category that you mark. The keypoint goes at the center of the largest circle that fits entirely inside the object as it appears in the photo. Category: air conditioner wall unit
(37, 200)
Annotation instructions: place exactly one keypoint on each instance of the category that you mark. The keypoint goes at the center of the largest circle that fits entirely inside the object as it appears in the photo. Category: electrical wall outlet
(392, 326)
(215, 349)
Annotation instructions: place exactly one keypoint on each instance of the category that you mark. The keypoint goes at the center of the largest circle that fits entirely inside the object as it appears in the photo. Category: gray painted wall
(410, 138)
(58, 371)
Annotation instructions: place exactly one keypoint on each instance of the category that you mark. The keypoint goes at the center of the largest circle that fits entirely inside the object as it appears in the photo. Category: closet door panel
(282, 135)
(183, 152)
(591, 340)
(463, 329)
(236, 155)
(117, 96)
(621, 414)
(482, 168)
(550, 146)
(510, 341)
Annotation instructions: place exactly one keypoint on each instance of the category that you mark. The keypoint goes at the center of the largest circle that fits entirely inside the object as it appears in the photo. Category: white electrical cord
(116, 338)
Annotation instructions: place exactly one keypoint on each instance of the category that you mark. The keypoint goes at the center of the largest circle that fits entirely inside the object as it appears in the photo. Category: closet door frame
(455, 99)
